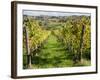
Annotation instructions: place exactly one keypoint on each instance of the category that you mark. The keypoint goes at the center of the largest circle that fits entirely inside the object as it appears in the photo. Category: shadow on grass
(51, 62)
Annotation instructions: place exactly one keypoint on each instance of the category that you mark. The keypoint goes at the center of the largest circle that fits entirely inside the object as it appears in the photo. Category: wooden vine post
(27, 48)
(81, 43)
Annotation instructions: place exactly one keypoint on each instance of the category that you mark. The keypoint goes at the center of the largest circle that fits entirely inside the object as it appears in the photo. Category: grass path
(53, 54)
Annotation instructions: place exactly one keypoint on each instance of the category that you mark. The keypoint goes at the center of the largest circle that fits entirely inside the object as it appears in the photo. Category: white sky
(52, 13)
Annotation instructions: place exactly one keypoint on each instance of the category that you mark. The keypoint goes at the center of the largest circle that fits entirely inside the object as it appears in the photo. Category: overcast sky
(52, 13)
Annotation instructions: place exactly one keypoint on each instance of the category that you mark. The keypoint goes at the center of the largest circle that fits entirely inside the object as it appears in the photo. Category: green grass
(53, 54)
